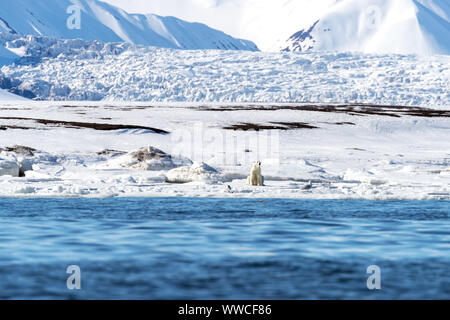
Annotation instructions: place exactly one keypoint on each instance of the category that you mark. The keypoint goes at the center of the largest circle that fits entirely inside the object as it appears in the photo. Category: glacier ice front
(93, 70)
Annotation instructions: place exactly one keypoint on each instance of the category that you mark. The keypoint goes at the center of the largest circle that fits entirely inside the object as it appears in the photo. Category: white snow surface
(52, 69)
(196, 172)
(7, 96)
(102, 21)
(348, 155)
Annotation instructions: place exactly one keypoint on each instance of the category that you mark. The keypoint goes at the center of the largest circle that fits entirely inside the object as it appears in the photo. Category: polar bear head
(257, 165)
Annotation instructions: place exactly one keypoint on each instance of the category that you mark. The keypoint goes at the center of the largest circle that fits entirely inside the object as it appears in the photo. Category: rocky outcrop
(148, 158)
(111, 153)
(21, 150)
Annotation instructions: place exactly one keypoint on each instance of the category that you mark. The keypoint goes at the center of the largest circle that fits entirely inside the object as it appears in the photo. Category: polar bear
(255, 178)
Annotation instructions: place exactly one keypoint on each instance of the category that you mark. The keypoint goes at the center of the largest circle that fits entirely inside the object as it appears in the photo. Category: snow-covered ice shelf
(315, 151)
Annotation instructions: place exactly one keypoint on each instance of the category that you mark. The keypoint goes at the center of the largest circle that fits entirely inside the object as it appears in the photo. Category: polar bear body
(255, 178)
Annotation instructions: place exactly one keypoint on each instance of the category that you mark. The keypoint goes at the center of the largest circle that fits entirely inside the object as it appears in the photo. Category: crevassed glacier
(52, 69)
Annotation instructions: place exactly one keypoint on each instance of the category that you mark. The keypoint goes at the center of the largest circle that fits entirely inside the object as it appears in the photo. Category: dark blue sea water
(182, 248)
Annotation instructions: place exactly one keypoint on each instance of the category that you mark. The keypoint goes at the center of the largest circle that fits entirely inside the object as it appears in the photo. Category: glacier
(52, 69)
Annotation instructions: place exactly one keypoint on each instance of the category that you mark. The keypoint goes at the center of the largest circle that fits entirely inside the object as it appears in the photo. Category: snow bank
(198, 172)
(29, 162)
(9, 166)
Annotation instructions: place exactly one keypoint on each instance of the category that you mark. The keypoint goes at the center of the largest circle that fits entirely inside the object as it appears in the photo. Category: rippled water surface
(183, 248)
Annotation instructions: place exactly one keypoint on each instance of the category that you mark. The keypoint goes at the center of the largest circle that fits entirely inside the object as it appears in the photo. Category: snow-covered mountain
(265, 22)
(373, 26)
(378, 26)
(107, 23)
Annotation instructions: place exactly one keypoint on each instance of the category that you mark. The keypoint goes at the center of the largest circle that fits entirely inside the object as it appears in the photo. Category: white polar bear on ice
(255, 178)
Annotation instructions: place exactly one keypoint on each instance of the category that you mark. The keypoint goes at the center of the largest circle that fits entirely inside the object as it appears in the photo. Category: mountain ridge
(107, 23)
